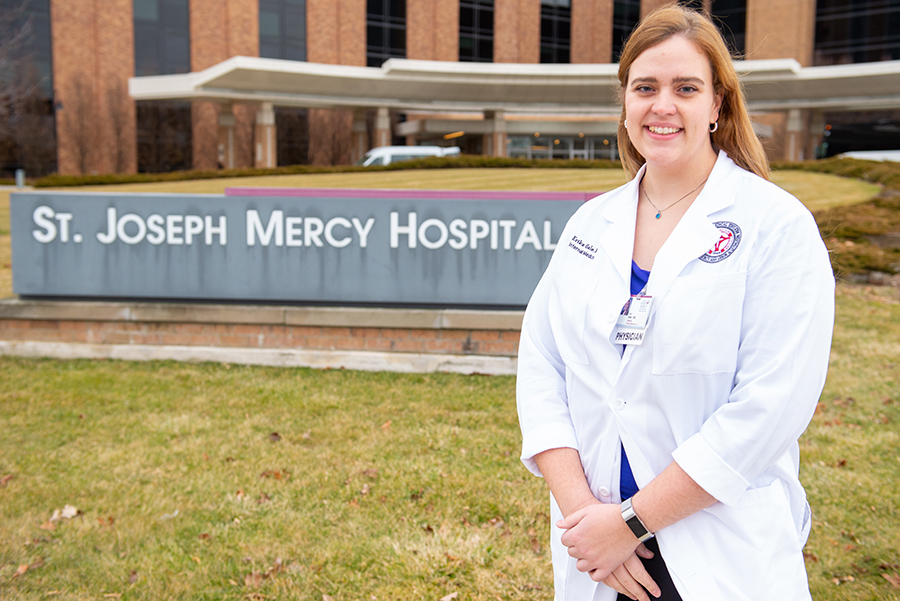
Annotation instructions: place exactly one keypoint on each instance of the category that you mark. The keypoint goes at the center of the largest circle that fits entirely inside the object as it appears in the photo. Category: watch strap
(634, 522)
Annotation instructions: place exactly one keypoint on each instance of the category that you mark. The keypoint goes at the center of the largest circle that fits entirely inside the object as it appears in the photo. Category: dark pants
(656, 567)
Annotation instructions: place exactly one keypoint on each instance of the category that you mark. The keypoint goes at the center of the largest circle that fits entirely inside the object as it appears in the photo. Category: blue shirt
(627, 486)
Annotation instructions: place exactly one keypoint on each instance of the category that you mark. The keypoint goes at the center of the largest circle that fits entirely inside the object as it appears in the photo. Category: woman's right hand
(564, 474)
(631, 578)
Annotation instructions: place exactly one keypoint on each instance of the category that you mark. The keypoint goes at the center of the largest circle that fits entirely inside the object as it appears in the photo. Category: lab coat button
(604, 492)
(611, 318)
(620, 403)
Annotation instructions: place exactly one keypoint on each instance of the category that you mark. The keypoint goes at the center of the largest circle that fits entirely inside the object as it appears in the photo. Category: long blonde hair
(735, 133)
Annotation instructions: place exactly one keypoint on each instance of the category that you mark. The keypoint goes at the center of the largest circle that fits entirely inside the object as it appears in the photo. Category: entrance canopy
(413, 85)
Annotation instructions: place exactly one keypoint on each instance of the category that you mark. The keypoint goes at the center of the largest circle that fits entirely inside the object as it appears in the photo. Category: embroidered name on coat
(588, 250)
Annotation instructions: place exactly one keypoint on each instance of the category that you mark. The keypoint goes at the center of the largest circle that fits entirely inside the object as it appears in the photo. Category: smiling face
(670, 103)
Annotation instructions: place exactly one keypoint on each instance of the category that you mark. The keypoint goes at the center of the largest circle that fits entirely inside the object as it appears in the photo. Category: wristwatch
(634, 522)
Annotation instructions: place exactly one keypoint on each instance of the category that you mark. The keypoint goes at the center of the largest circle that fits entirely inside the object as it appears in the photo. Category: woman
(690, 401)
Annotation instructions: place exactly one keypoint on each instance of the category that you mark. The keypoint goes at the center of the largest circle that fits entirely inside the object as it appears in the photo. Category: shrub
(462, 162)
(60, 181)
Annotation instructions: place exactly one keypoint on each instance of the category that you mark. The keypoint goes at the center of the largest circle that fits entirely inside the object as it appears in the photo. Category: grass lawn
(377, 485)
(402, 487)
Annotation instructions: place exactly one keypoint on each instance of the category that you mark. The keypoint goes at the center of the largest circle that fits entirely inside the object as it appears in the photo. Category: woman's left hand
(598, 538)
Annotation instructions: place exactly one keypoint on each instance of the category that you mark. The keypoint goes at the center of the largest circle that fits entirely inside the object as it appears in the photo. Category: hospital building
(124, 86)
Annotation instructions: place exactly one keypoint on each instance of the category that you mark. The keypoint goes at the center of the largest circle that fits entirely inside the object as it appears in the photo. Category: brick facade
(591, 38)
(432, 30)
(93, 57)
(336, 32)
(416, 331)
(784, 29)
(336, 35)
(517, 31)
(457, 342)
(781, 29)
(221, 29)
(648, 6)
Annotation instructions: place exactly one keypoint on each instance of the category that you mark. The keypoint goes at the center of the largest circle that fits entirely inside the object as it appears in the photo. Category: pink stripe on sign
(390, 193)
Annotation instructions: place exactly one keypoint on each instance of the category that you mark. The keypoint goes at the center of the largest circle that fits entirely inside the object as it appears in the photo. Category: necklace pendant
(658, 214)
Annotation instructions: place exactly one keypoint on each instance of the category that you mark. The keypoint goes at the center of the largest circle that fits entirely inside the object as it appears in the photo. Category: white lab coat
(726, 381)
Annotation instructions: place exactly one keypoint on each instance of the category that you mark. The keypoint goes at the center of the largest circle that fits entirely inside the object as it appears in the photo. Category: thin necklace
(658, 210)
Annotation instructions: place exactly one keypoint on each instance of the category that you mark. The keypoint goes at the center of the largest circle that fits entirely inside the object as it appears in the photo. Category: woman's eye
(687, 89)
(643, 89)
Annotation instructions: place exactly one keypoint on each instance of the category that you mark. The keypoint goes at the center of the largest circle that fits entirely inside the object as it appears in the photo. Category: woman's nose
(665, 103)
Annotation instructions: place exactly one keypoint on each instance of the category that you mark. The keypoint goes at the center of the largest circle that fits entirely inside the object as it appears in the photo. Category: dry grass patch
(5, 266)
(376, 484)
(864, 237)
(825, 190)
(851, 463)
(392, 485)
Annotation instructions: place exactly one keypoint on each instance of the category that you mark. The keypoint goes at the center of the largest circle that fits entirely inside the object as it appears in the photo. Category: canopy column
(265, 137)
(359, 142)
(815, 133)
(226, 136)
(495, 141)
(795, 131)
(382, 127)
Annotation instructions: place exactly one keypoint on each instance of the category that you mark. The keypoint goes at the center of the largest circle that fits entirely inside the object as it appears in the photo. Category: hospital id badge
(632, 322)
(636, 312)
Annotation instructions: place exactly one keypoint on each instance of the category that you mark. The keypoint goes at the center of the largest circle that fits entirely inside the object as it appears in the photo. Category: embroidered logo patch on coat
(729, 239)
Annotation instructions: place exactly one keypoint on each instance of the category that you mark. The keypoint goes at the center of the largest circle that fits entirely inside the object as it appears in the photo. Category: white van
(385, 155)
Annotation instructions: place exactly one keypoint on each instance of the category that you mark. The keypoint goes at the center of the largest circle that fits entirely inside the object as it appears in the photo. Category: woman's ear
(717, 106)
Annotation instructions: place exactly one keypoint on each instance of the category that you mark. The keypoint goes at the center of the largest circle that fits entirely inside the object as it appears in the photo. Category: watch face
(634, 523)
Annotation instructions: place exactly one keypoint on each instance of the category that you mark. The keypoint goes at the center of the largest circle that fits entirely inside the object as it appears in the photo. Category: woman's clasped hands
(605, 547)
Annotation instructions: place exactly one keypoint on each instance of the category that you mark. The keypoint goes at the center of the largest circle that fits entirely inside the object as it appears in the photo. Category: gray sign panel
(323, 246)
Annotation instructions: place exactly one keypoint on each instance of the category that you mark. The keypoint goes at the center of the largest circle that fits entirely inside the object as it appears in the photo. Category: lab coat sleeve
(541, 381)
(787, 324)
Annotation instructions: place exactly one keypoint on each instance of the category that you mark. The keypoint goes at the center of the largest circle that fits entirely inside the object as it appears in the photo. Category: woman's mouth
(663, 130)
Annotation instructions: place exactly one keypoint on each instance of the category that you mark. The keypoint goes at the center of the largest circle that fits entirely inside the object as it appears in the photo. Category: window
(164, 136)
(282, 29)
(562, 147)
(731, 17)
(626, 14)
(476, 31)
(28, 126)
(161, 37)
(857, 31)
(556, 31)
(282, 34)
(162, 46)
(385, 31)
(292, 135)
(25, 35)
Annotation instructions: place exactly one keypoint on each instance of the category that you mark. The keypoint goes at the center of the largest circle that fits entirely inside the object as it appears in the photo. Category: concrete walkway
(319, 359)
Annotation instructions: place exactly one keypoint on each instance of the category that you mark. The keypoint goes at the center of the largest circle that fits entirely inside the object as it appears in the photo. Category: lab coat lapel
(618, 239)
(695, 233)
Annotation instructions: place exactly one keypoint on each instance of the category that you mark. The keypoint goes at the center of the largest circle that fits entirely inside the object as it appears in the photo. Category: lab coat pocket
(568, 306)
(697, 327)
(760, 531)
